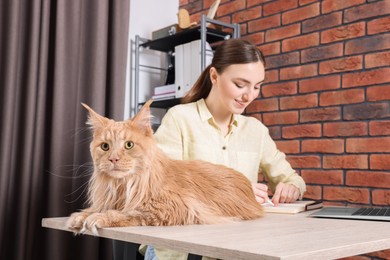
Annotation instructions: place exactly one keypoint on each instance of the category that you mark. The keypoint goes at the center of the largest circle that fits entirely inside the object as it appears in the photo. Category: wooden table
(276, 236)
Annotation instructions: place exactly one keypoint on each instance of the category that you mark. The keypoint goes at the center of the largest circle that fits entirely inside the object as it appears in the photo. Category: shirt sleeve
(276, 168)
(169, 137)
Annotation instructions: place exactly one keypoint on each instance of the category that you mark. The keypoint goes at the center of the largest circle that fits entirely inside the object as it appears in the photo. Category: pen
(269, 202)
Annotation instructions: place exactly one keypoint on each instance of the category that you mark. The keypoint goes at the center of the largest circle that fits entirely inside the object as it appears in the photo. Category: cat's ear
(95, 120)
(143, 117)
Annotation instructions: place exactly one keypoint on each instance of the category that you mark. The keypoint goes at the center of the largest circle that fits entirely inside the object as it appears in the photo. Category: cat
(134, 183)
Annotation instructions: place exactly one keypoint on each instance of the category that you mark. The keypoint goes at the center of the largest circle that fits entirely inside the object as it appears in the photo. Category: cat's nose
(114, 160)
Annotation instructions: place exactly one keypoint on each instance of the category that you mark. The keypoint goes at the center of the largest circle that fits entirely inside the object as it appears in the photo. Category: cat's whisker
(83, 187)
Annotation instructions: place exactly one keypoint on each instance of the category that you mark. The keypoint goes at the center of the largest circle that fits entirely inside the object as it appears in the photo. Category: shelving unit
(167, 44)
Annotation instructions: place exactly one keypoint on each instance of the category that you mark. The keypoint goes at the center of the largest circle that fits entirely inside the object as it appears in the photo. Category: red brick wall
(326, 99)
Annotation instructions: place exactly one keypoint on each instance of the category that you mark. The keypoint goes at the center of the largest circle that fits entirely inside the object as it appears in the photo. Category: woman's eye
(238, 85)
(129, 145)
(105, 146)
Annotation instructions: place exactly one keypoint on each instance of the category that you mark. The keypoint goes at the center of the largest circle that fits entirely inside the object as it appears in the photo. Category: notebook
(372, 213)
(292, 208)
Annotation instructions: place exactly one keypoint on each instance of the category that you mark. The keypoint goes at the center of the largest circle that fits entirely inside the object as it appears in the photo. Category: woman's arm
(285, 183)
(168, 137)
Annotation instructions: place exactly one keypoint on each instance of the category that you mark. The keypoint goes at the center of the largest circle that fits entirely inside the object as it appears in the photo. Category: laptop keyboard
(372, 212)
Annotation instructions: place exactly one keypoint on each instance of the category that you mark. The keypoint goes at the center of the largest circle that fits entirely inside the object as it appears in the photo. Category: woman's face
(238, 85)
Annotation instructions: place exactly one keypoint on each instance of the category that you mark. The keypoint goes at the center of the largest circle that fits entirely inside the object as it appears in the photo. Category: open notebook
(292, 208)
(378, 213)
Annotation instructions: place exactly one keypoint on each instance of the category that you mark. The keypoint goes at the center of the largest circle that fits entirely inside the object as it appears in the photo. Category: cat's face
(115, 151)
(118, 148)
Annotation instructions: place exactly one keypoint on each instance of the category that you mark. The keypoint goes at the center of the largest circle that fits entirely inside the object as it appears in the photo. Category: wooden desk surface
(276, 236)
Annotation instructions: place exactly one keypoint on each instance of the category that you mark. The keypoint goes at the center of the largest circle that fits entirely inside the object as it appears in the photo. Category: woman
(209, 126)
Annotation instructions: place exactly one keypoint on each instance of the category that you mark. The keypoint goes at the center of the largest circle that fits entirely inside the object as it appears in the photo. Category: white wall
(147, 16)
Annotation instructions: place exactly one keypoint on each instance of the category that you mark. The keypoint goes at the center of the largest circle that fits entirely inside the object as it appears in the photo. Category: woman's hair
(233, 51)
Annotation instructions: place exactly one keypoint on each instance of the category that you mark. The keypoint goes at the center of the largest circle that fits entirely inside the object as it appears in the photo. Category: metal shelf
(168, 43)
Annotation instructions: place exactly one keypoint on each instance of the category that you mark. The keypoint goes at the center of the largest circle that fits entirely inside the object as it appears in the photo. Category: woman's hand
(285, 193)
(261, 192)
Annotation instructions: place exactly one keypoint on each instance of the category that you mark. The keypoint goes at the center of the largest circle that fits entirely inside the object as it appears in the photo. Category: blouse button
(223, 147)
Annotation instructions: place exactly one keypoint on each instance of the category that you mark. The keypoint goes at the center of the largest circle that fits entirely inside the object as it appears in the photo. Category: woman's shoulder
(251, 122)
(183, 108)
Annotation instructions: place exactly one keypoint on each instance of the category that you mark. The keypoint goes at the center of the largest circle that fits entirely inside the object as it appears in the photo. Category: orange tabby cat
(134, 183)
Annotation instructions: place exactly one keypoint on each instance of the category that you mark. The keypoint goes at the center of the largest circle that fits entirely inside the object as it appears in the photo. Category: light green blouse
(189, 132)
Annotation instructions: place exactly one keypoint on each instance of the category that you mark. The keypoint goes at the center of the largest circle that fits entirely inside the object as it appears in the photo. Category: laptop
(372, 213)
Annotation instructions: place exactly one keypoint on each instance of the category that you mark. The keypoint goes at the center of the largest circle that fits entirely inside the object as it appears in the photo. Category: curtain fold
(53, 56)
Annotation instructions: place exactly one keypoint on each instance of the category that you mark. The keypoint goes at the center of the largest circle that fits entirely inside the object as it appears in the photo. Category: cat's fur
(140, 185)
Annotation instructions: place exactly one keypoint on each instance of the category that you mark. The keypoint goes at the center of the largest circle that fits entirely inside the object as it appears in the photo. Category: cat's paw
(76, 222)
(95, 221)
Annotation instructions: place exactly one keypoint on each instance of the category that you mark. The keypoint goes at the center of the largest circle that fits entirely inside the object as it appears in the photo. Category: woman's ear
(213, 75)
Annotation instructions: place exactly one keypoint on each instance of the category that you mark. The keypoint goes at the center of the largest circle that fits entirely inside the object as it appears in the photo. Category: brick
(313, 192)
(297, 72)
(280, 118)
(378, 59)
(322, 52)
(193, 7)
(301, 130)
(271, 76)
(264, 23)
(270, 48)
(365, 78)
(343, 32)
(243, 27)
(341, 65)
(379, 127)
(262, 105)
(275, 132)
(368, 179)
(368, 145)
(297, 102)
(378, 25)
(300, 14)
(322, 22)
(360, 12)
(345, 162)
(279, 6)
(381, 197)
(329, 177)
(255, 38)
(319, 84)
(255, 2)
(300, 42)
(279, 89)
(366, 111)
(335, 5)
(380, 162)
(351, 195)
(334, 146)
(340, 97)
(183, 2)
(368, 44)
(345, 129)
(288, 147)
(247, 15)
(282, 60)
(304, 162)
(320, 114)
(282, 32)
(305, 2)
(378, 93)
(231, 7)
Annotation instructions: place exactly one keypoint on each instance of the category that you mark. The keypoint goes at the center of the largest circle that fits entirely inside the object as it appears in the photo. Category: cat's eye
(105, 146)
(129, 145)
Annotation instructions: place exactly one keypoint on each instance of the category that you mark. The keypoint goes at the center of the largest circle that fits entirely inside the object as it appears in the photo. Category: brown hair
(233, 51)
